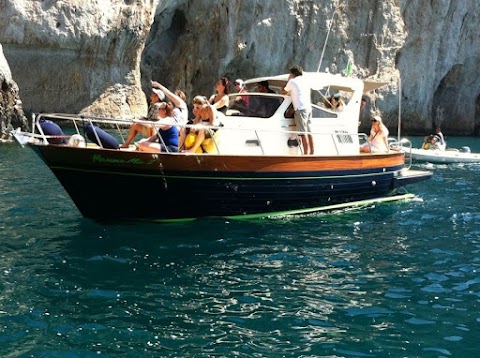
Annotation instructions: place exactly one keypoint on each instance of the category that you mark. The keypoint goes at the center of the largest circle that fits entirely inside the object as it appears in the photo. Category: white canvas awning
(320, 80)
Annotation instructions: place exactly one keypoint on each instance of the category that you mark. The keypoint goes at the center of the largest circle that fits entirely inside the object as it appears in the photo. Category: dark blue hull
(141, 186)
(105, 195)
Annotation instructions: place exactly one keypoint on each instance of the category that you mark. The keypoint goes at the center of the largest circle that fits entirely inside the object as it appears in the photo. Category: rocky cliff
(11, 111)
(96, 56)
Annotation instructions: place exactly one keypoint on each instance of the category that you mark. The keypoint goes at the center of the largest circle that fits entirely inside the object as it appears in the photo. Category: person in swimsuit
(166, 138)
(144, 129)
(220, 99)
(205, 115)
(178, 98)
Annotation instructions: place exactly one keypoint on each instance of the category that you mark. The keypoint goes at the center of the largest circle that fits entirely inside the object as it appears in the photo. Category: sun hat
(378, 119)
(159, 93)
(239, 82)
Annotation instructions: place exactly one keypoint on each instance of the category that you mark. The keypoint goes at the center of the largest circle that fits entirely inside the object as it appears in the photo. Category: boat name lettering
(99, 159)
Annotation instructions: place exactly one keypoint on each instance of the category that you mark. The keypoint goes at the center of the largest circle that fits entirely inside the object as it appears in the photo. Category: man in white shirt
(441, 143)
(299, 90)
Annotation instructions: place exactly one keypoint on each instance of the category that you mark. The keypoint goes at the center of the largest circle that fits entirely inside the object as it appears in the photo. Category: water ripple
(399, 279)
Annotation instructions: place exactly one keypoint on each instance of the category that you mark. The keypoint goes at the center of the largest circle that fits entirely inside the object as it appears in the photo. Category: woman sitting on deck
(220, 99)
(145, 129)
(206, 115)
(377, 142)
(166, 138)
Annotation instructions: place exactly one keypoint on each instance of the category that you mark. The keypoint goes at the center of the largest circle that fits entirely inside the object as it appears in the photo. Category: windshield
(253, 105)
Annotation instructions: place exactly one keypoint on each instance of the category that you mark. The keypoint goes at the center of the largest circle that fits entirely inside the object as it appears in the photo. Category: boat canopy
(321, 80)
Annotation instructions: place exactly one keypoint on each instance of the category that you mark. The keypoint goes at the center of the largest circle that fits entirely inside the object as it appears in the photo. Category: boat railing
(404, 145)
(340, 140)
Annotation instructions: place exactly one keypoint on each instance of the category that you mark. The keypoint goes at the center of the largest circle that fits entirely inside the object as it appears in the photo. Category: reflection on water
(398, 279)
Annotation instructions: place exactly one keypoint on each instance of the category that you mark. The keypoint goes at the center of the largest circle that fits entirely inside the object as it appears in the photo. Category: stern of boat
(407, 176)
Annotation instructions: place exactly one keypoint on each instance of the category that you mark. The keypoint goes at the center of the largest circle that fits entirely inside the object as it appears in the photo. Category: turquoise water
(396, 279)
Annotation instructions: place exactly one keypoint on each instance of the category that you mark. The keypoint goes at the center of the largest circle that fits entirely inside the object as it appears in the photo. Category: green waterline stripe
(324, 208)
(366, 202)
(222, 178)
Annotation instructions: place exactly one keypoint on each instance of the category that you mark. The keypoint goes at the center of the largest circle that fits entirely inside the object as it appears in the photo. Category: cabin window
(320, 112)
(254, 105)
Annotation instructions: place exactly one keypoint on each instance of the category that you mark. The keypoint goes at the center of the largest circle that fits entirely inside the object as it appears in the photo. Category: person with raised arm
(178, 98)
(165, 138)
(142, 128)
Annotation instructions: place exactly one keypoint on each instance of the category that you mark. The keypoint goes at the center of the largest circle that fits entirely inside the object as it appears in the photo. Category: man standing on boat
(299, 90)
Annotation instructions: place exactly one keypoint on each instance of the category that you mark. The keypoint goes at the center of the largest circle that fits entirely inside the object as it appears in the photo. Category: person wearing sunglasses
(145, 130)
(377, 142)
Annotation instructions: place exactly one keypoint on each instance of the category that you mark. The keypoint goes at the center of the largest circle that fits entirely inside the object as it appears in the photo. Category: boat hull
(112, 184)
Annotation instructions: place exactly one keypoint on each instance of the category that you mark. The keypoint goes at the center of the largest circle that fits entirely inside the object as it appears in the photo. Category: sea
(397, 279)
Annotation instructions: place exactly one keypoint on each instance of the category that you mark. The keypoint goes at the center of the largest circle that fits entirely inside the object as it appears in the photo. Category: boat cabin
(262, 123)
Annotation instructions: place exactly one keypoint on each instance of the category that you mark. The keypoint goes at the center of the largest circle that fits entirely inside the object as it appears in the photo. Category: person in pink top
(240, 88)
(299, 90)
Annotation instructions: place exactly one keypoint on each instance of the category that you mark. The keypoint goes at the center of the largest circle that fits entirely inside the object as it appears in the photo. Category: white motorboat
(256, 167)
(449, 155)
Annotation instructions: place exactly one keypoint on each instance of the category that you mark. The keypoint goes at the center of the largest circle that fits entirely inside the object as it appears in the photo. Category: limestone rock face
(431, 46)
(73, 56)
(439, 63)
(11, 111)
(96, 56)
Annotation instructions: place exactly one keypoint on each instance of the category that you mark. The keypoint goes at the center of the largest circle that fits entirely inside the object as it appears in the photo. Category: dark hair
(264, 84)
(296, 71)
(226, 84)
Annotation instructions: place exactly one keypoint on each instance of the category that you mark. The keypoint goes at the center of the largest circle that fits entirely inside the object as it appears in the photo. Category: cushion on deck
(51, 128)
(106, 139)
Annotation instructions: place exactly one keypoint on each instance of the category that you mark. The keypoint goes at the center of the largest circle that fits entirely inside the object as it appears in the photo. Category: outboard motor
(465, 150)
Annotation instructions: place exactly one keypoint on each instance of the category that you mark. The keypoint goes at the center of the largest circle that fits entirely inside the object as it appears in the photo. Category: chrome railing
(339, 140)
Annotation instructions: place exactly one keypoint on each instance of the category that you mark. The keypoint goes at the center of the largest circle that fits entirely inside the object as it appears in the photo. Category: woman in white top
(178, 98)
(377, 142)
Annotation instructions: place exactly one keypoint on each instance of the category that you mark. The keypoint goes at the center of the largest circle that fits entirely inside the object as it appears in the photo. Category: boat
(253, 168)
(449, 155)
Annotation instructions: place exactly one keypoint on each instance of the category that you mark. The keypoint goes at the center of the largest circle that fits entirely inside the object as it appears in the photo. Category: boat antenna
(399, 107)
(326, 40)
